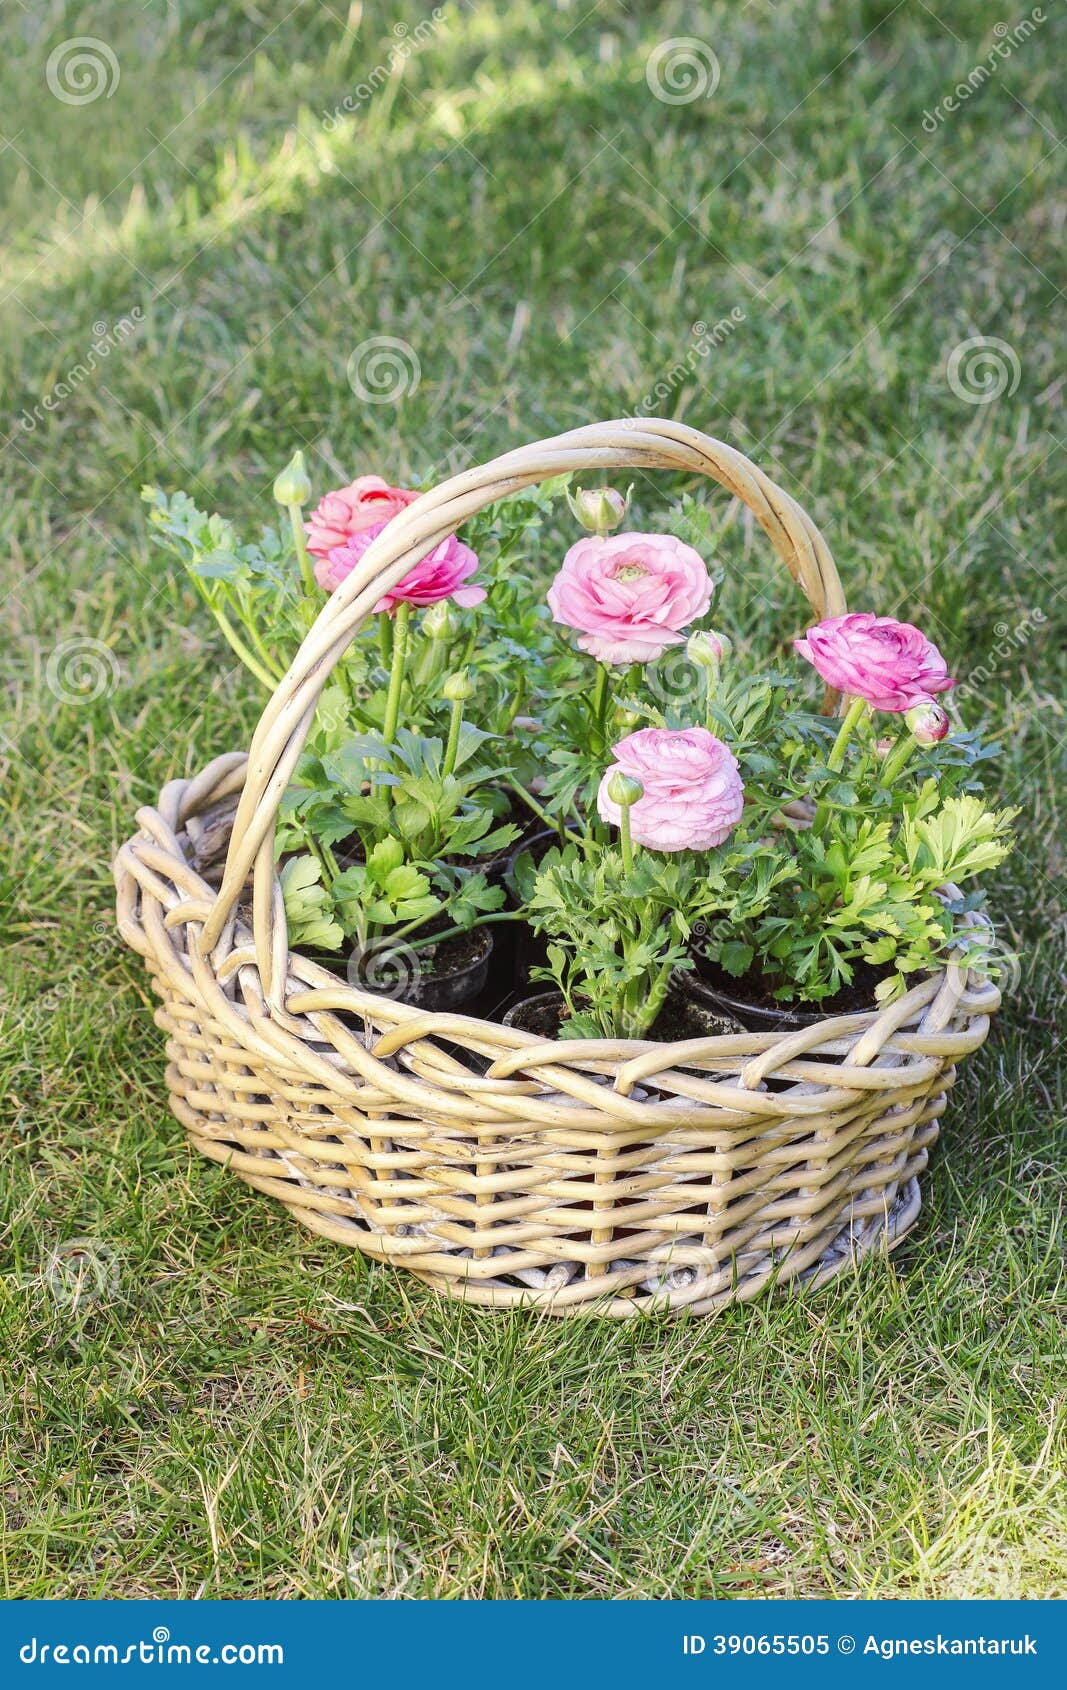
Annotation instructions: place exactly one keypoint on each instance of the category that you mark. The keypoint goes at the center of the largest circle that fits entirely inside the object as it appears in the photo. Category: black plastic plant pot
(438, 977)
(447, 976)
(350, 851)
(498, 867)
(745, 1013)
(530, 949)
(680, 1018)
(541, 1013)
(538, 844)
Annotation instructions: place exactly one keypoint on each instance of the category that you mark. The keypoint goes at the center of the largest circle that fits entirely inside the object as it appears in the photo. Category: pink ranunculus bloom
(891, 664)
(367, 503)
(692, 789)
(440, 575)
(630, 594)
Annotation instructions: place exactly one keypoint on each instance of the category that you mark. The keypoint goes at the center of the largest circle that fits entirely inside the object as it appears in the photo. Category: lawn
(223, 1405)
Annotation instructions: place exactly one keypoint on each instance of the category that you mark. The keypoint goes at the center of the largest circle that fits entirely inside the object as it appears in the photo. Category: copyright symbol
(846, 1644)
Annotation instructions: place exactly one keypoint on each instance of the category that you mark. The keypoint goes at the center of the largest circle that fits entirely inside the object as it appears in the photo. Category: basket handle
(632, 443)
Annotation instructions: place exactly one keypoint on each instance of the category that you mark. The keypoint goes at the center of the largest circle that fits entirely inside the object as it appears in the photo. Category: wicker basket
(584, 1176)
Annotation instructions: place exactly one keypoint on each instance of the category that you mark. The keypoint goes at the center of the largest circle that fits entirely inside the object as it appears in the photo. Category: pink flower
(367, 503)
(890, 664)
(600, 509)
(692, 789)
(928, 721)
(440, 575)
(630, 594)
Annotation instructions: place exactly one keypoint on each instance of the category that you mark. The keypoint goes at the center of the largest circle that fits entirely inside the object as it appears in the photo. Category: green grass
(243, 1410)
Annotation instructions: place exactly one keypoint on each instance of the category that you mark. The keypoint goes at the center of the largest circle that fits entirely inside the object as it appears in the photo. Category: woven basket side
(590, 1176)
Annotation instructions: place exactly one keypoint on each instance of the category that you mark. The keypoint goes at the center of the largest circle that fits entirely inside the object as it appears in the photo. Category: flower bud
(708, 648)
(439, 621)
(599, 509)
(293, 485)
(624, 789)
(928, 721)
(458, 687)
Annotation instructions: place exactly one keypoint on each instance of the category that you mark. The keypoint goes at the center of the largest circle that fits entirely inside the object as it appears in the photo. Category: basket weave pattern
(583, 1175)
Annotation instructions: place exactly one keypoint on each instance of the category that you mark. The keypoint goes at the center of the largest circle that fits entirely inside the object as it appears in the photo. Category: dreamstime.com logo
(682, 70)
(407, 42)
(76, 1273)
(81, 670)
(383, 370)
(383, 1568)
(982, 369)
(706, 338)
(675, 680)
(46, 1004)
(106, 338)
(1007, 37)
(80, 69)
(155, 1651)
(990, 957)
(386, 968)
(1010, 638)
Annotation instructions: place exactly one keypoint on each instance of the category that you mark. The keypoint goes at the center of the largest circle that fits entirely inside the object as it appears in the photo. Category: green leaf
(736, 957)
(318, 935)
(385, 859)
(217, 566)
(405, 882)
(382, 911)
(418, 909)
(299, 874)
(411, 819)
(352, 882)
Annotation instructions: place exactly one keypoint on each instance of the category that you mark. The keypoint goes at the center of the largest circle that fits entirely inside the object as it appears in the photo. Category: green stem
(452, 747)
(453, 932)
(642, 1003)
(307, 572)
(385, 638)
(711, 678)
(344, 681)
(657, 997)
(395, 934)
(896, 759)
(248, 623)
(600, 702)
(232, 638)
(529, 799)
(627, 842)
(250, 661)
(851, 718)
(514, 706)
(844, 733)
(326, 859)
(396, 671)
(307, 611)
